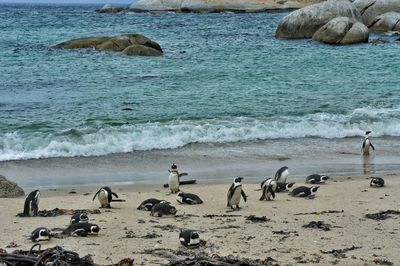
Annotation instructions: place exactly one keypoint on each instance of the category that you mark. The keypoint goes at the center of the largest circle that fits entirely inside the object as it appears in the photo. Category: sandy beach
(350, 238)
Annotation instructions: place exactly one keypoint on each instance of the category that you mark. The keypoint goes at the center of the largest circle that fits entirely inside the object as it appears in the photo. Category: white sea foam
(175, 134)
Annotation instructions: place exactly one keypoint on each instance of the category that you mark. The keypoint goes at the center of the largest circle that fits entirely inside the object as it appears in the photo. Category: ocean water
(224, 81)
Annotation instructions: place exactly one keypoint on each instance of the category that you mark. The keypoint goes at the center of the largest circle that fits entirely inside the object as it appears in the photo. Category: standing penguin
(174, 178)
(366, 144)
(105, 196)
(31, 206)
(282, 174)
(189, 238)
(268, 189)
(235, 192)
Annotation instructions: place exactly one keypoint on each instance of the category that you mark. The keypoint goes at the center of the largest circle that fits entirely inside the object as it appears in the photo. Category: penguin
(189, 238)
(82, 229)
(79, 217)
(282, 174)
(174, 178)
(306, 192)
(163, 209)
(105, 196)
(377, 182)
(366, 144)
(40, 234)
(268, 189)
(283, 187)
(188, 198)
(31, 206)
(235, 192)
(316, 179)
(148, 204)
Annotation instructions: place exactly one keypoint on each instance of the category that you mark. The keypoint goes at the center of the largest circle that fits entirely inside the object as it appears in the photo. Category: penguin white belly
(366, 147)
(103, 198)
(235, 200)
(173, 182)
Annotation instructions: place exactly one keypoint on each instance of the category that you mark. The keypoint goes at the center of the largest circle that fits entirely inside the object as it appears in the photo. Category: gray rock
(9, 189)
(116, 43)
(303, 23)
(370, 9)
(342, 30)
(137, 49)
(217, 5)
(387, 22)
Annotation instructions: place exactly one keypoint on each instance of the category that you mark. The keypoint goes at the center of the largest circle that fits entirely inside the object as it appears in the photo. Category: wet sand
(341, 205)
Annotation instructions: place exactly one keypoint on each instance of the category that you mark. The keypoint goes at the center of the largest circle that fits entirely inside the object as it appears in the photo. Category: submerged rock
(303, 23)
(9, 189)
(370, 9)
(342, 30)
(107, 8)
(216, 5)
(118, 43)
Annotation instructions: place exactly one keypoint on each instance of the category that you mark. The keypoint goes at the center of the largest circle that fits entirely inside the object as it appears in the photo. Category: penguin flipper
(272, 192)
(114, 194)
(363, 144)
(96, 194)
(372, 146)
(244, 195)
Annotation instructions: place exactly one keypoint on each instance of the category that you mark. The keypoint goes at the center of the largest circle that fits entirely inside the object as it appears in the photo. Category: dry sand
(283, 238)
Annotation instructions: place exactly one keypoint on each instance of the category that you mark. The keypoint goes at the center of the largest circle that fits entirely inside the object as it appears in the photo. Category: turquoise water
(224, 79)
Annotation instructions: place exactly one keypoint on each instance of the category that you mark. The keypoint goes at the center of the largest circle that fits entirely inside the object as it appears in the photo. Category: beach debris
(221, 215)
(340, 253)
(57, 212)
(167, 227)
(51, 256)
(257, 219)
(383, 215)
(318, 225)
(377, 182)
(318, 213)
(131, 234)
(383, 262)
(12, 245)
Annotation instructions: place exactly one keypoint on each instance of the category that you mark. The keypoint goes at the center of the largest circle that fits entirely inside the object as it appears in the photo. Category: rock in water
(389, 21)
(370, 9)
(9, 189)
(342, 30)
(303, 23)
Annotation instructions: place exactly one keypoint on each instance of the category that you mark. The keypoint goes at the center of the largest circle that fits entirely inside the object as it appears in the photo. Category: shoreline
(342, 203)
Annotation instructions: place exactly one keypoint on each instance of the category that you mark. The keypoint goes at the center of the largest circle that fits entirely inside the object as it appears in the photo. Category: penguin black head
(40, 234)
(94, 229)
(367, 132)
(324, 178)
(314, 189)
(174, 166)
(238, 179)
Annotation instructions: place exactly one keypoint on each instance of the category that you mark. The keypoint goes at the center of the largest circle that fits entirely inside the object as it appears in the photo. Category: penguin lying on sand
(283, 187)
(163, 209)
(188, 198)
(377, 182)
(268, 189)
(79, 217)
(82, 229)
(316, 179)
(235, 193)
(40, 234)
(189, 238)
(306, 192)
(105, 196)
(148, 204)
(31, 205)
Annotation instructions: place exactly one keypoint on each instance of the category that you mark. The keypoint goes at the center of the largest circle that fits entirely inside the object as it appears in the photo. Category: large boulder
(387, 22)
(137, 49)
(9, 189)
(107, 8)
(217, 5)
(303, 23)
(370, 9)
(116, 43)
(342, 30)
